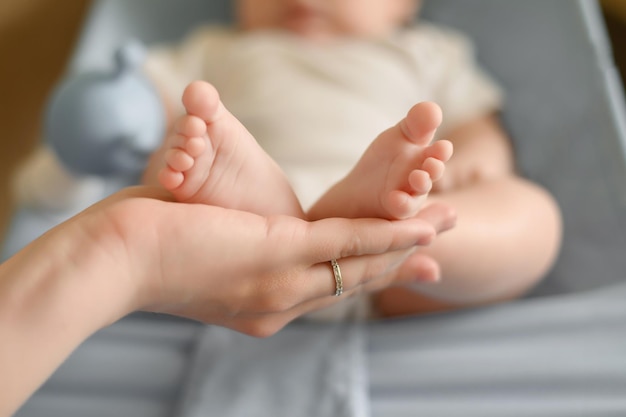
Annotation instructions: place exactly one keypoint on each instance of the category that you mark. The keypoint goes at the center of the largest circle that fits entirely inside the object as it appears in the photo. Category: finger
(139, 191)
(340, 238)
(373, 273)
(441, 216)
(319, 280)
(416, 268)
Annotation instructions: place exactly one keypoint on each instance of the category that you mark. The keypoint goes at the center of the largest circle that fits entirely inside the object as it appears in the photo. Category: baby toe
(434, 168)
(169, 179)
(195, 146)
(420, 181)
(178, 160)
(190, 126)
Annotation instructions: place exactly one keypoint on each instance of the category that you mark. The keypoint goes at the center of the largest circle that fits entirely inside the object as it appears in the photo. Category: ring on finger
(338, 277)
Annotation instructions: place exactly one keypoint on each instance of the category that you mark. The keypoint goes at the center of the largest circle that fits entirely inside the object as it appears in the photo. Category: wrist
(101, 261)
(54, 294)
(72, 271)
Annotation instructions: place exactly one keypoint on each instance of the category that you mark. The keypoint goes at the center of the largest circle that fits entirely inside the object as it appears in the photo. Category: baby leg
(393, 177)
(506, 239)
(212, 159)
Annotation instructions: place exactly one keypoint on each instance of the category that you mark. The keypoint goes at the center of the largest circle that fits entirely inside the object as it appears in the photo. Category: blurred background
(36, 39)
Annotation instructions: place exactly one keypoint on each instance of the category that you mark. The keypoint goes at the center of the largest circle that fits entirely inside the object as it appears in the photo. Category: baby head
(321, 19)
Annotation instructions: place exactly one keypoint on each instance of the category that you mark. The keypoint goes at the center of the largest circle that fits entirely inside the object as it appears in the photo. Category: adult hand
(250, 273)
(139, 250)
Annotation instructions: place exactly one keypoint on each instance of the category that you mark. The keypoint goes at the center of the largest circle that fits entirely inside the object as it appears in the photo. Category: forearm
(53, 295)
(506, 239)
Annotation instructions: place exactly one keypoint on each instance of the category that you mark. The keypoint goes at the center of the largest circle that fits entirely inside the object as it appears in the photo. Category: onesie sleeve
(171, 67)
(462, 88)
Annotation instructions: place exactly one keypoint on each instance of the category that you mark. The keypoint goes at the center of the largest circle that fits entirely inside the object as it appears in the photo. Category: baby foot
(212, 159)
(395, 174)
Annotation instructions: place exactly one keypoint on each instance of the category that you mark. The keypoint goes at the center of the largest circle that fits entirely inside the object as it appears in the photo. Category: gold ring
(338, 278)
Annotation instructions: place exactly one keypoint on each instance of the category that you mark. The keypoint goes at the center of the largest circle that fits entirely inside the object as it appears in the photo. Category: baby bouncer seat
(560, 351)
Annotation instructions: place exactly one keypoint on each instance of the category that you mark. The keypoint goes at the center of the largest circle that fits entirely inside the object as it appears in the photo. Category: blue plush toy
(106, 123)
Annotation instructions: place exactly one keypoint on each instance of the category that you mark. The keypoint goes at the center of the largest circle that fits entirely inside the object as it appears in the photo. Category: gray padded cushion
(563, 110)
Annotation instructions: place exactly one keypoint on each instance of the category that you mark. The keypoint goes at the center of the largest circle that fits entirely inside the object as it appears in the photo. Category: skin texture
(136, 251)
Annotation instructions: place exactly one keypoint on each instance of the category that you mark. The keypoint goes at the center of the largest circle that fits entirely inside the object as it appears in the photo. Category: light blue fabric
(306, 370)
